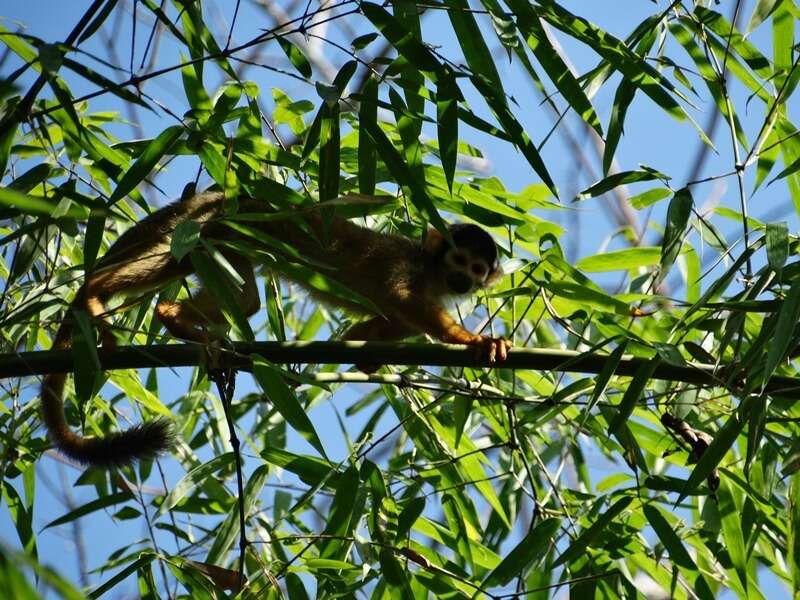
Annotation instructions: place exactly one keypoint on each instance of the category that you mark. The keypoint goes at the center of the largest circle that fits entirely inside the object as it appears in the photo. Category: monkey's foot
(493, 349)
(108, 341)
(172, 316)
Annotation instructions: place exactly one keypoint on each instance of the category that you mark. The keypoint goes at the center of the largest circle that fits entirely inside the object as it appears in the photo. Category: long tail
(143, 441)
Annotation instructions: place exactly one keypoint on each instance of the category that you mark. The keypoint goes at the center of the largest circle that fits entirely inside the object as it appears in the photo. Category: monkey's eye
(479, 269)
(460, 259)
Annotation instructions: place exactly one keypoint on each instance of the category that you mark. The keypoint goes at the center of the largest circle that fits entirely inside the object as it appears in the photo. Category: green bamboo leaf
(367, 154)
(588, 297)
(514, 130)
(64, 97)
(407, 44)
(627, 258)
(142, 561)
(767, 157)
(329, 564)
(225, 100)
(579, 545)
(19, 46)
(192, 77)
(92, 241)
(165, 21)
(718, 286)
(605, 375)
(216, 281)
(296, 57)
(555, 67)
(447, 98)
(793, 529)
(474, 121)
(457, 521)
(477, 54)
(403, 175)
(622, 100)
(792, 168)
(192, 480)
(51, 57)
(363, 41)
(619, 56)
(98, 21)
(408, 517)
(777, 238)
(761, 12)
(677, 551)
(730, 515)
(329, 152)
(228, 532)
(721, 443)
(184, 239)
(342, 516)
(272, 381)
(88, 374)
(529, 552)
(310, 469)
(105, 83)
(147, 161)
(313, 133)
(612, 181)
(633, 394)
(733, 39)
(784, 331)
(92, 506)
(32, 205)
(678, 213)
(649, 197)
(473, 471)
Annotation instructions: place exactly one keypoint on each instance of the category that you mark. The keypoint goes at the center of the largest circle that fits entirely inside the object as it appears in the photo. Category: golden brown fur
(405, 280)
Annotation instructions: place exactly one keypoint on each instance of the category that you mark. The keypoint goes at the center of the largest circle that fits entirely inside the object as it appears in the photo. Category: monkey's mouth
(459, 283)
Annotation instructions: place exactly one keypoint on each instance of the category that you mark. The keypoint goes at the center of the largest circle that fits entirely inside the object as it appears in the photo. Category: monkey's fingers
(503, 346)
(493, 349)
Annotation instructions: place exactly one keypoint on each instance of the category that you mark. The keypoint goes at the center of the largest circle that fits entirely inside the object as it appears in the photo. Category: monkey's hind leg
(189, 318)
(95, 296)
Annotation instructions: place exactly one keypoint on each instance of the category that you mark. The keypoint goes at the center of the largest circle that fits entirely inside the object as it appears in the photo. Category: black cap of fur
(476, 240)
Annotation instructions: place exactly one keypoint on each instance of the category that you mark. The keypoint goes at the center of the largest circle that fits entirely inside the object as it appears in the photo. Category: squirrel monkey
(407, 281)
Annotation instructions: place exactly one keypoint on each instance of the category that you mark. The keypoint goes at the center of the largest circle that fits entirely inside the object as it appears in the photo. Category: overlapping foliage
(440, 483)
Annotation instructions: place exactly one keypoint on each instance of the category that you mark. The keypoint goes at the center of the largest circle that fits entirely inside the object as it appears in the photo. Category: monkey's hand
(434, 320)
(493, 349)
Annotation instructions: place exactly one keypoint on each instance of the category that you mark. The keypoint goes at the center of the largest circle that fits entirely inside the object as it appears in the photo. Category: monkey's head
(470, 264)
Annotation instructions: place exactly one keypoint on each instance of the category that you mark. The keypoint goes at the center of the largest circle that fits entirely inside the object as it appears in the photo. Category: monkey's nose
(459, 283)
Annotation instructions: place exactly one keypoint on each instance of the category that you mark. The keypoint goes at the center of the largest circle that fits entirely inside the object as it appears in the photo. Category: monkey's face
(466, 272)
(472, 263)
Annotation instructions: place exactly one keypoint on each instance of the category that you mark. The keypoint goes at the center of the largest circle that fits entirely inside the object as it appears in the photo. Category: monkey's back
(141, 259)
(382, 267)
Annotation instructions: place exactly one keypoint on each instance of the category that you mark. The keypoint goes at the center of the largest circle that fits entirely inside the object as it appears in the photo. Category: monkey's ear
(433, 242)
(494, 276)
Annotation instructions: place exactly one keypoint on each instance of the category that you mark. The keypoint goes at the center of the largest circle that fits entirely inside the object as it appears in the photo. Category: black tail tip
(141, 442)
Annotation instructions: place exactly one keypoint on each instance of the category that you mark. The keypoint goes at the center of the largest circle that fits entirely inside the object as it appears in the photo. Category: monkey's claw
(494, 349)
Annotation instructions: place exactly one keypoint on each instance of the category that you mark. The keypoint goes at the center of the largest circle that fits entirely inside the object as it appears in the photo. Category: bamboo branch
(238, 356)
